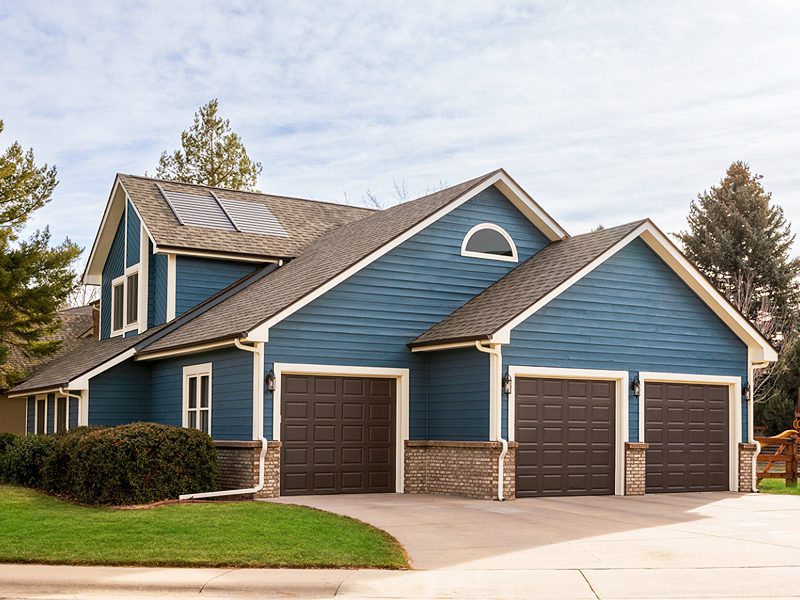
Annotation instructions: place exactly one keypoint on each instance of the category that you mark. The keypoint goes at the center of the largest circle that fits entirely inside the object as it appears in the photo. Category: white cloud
(605, 112)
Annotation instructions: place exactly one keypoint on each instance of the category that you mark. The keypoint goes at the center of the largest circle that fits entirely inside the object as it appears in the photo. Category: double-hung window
(125, 303)
(197, 397)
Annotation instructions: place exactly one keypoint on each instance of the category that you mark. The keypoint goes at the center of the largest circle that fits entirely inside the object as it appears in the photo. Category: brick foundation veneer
(238, 466)
(458, 468)
(746, 454)
(635, 468)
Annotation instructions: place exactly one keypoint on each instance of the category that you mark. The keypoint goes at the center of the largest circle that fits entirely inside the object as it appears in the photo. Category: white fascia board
(93, 274)
(503, 335)
(216, 255)
(680, 265)
(447, 346)
(82, 382)
(504, 183)
(186, 350)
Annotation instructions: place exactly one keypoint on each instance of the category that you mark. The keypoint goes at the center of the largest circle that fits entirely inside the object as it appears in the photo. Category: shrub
(6, 441)
(24, 459)
(54, 472)
(140, 463)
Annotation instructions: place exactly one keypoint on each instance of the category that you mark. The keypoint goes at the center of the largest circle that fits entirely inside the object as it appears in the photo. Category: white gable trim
(93, 275)
(82, 382)
(507, 186)
(658, 242)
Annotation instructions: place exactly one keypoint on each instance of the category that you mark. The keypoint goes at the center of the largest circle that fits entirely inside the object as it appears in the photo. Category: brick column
(635, 468)
(238, 466)
(468, 469)
(746, 454)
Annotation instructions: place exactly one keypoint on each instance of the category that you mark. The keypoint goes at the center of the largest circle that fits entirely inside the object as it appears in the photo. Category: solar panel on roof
(200, 210)
(253, 217)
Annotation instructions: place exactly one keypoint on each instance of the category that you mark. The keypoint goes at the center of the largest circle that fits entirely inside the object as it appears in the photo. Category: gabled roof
(485, 314)
(335, 256)
(494, 313)
(303, 221)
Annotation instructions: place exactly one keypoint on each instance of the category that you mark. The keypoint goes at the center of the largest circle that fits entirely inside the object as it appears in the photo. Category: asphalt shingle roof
(323, 260)
(74, 323)
(512, 295)
(303, 220)
(83, 357)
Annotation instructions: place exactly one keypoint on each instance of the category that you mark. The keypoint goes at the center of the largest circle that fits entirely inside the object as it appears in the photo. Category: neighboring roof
(299, 221)
(489, 311)
(84, 356)
(331, 255)
(75, 324)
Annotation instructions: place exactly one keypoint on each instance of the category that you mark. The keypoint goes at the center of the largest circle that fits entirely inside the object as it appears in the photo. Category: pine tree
(211, 154)
(35, 278)
(741, 241)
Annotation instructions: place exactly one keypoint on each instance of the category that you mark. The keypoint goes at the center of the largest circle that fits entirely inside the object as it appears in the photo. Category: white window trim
(197, 371)
(123, 281)
(734, 410)
(401, 397)
(621, 429)
(464, 252)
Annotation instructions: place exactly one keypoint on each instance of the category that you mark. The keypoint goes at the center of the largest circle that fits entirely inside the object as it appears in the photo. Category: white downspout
(67, 394)
(495, 401)
(258, 425)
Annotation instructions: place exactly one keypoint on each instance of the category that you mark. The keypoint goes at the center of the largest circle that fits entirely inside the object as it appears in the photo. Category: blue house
(460, 343)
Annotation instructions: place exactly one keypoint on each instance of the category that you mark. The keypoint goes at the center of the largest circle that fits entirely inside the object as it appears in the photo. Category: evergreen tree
(211, 154)
(35, 278)
(742, 242)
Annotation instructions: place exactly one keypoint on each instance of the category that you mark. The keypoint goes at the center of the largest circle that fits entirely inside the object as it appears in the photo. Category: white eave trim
(507, 186)
(666, 250)
(82, 382)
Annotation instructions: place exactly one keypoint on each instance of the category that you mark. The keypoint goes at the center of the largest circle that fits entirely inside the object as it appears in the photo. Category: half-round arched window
(489, 241)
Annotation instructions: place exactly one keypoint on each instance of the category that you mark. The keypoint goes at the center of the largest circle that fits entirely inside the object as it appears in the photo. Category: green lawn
(37, 528)
(777, 486)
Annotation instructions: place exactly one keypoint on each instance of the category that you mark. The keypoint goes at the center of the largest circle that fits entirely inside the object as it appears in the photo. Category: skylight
(209, 210)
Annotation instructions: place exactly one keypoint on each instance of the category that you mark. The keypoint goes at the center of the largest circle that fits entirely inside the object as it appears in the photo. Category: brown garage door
(686, 427)
(565, 430)
(338, 435)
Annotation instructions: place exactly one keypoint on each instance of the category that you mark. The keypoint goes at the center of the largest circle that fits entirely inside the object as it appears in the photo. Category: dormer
(164, 247)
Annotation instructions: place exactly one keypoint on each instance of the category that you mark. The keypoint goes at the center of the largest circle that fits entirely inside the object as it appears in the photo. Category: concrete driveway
(666, 545)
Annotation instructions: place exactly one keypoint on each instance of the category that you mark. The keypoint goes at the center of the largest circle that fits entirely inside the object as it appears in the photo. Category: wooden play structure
(779, 454)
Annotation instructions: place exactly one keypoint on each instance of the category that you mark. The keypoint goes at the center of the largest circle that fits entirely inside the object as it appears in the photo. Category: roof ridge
(224, 189)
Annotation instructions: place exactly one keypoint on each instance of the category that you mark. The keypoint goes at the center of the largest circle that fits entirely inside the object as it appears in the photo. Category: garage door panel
(565, 431)
(686, 428)
(338, 437)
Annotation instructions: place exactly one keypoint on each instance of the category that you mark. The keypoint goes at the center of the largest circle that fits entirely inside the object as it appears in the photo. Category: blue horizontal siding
(631, 313)
(196, 279)
(231, 392)
(157, 289)
(113, 268)
(120, 395)
(369, 319)
(458, 395)
(72, 412)
(134, 228)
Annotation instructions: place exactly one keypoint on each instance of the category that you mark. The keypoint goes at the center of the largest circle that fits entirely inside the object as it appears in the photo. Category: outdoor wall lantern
(271, 380)
(745, 390)
(635, 385)
(507, 383)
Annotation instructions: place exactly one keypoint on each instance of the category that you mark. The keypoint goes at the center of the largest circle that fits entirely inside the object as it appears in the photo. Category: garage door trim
(401, 376)
(734, 410)
(621, 411)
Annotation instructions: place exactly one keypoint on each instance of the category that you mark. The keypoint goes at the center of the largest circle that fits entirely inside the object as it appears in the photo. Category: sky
(605, 112)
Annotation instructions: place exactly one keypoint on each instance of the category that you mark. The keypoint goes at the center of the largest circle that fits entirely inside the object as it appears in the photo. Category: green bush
(25, 457)
(54, 472)
(140, 463)
(6, 441)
